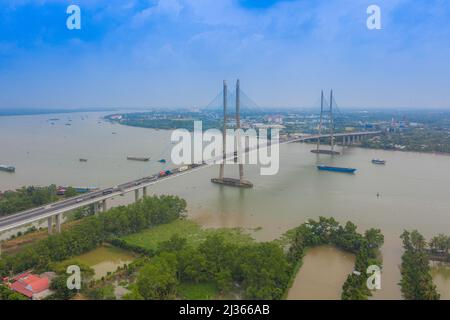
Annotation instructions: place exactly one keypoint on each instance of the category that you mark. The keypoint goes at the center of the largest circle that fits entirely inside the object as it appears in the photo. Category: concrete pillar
(136, 195)
(144, 192)
(96, 207)
(58, 222)
(104, 205)
(50, 224)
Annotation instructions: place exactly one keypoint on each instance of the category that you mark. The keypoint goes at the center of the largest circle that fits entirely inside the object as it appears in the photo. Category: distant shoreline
(354, 146)
(32, 112)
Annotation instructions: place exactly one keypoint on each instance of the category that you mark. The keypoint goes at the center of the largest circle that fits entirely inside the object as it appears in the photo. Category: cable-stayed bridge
(226, 101)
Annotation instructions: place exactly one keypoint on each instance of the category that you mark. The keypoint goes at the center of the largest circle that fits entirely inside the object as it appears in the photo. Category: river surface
(314, 281)
(413, 187)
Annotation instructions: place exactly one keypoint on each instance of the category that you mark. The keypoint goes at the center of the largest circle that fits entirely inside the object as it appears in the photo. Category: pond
(441, 278)
(105, 259)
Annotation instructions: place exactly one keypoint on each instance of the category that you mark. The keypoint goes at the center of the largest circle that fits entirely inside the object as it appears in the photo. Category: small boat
(138, 158)
(336, 169)
(7, 168)
(162, 161)
(378, 161)
(83, 160)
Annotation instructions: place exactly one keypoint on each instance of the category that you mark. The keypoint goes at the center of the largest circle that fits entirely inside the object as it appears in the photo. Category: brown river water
(413, 189)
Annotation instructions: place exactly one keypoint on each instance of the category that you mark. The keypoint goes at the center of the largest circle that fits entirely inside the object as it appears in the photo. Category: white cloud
(168, 8)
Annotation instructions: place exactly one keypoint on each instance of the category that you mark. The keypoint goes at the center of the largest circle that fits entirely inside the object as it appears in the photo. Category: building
(30, 285)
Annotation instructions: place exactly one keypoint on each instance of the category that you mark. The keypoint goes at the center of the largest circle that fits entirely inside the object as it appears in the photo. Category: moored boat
(336, 169)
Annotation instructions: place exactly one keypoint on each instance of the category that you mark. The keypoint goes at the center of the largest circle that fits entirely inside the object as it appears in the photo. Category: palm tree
(442, 243)
(433, 244)
(418, 241)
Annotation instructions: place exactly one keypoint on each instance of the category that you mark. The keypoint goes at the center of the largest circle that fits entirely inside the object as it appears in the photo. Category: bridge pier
(144, 192)
(96, 205)
(136, 195)
(58, 218)
(50, 225)
(104, 208)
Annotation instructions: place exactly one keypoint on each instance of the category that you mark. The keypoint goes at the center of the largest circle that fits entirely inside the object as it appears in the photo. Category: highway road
(35, 214)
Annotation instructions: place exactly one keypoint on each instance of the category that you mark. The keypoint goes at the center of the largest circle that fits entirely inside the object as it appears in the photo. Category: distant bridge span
(344, 135)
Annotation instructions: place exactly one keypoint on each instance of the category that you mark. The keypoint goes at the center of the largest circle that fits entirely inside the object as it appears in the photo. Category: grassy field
(194, 234)
(198, 291)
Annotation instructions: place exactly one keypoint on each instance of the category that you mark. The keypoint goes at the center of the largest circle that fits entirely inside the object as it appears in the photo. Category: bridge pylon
(318, 150)
(241, 182)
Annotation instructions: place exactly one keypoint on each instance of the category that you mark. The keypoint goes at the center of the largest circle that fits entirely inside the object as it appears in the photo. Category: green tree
(157, 280)
(92, 231)
(8, 294)
(416, 282)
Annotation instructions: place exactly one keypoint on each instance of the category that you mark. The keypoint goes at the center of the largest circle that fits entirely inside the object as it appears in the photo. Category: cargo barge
(138, 158)
(336, 169)
(329, 152)
(233, 182)
(7, 168)
(378, 161)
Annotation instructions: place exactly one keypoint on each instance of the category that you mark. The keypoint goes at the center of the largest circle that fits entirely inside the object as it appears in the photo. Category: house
(32, 286)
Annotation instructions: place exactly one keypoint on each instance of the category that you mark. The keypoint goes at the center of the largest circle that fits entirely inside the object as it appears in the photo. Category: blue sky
(170, 53)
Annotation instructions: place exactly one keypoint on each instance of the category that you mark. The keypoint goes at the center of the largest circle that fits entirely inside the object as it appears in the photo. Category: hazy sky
(169, 53)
